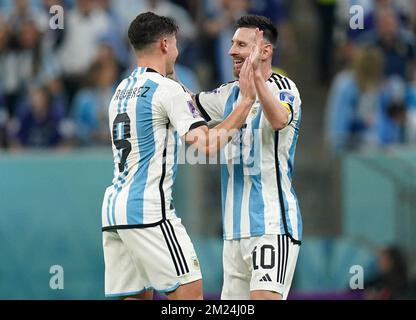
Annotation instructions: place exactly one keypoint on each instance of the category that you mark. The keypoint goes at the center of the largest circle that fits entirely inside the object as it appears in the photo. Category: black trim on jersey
(291, 114)
(197, 125)
(170, 250)
(132, 226)
(281, 82)
(279, 188)
(287, 82)
(278, 84)
(162, 177)
(203, 112)
(151, 70)
(179, 247)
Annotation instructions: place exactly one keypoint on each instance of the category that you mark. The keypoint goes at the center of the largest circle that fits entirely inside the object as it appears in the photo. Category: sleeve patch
(286, 97)
(192, 109)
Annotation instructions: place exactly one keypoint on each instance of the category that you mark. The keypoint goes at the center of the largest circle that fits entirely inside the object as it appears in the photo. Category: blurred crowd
(371, 72)
(56, 84)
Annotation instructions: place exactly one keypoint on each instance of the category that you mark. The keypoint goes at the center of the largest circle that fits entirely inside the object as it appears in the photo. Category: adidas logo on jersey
(266, 278)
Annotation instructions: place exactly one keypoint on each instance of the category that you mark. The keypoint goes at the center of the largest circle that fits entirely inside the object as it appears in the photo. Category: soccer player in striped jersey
(145, 245)
(261, 217)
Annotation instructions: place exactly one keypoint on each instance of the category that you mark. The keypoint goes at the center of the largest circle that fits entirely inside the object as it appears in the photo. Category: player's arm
(277, 113)
(210, 141)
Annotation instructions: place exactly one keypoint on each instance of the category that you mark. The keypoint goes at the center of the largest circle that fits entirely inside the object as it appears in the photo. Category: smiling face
(241, 46)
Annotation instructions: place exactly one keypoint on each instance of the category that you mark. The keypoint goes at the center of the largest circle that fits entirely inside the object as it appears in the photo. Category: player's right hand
(246, 81)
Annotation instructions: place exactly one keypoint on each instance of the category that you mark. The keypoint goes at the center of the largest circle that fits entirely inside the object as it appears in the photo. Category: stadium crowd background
(358, 89)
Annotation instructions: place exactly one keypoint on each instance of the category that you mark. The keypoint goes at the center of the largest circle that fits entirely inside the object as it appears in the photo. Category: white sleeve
(211, 104)
(181, 111)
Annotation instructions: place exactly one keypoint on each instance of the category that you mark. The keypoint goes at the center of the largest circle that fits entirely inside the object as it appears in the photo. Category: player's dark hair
(270, 32)
(148, 27)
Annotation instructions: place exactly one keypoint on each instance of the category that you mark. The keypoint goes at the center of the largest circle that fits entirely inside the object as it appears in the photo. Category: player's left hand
(255, 55)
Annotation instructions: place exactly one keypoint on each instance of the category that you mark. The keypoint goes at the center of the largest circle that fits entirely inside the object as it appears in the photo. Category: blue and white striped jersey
(147, 116)
(257, 165)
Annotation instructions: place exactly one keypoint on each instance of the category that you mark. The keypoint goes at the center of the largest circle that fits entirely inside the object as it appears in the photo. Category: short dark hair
(148, 27)
(270, 32)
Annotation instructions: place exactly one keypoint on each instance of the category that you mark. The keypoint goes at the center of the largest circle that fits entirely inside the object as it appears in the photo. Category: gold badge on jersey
(254, 110)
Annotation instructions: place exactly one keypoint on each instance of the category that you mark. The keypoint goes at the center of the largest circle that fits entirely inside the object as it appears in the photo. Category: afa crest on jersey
(287, 97)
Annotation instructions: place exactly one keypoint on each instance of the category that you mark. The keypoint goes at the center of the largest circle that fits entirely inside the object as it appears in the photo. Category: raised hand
(246, 81)
(255, 55)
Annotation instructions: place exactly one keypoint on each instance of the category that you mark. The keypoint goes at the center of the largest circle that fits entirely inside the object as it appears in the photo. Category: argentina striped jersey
(147, 116)
(257, 165)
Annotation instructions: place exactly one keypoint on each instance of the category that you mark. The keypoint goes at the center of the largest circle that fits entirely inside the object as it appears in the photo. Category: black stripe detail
(286, 258)
(287, 82)
(297, 242)
(283, 253)
(175, 249)
(279, 188)
(279, 182)
(291, 114)
(162, 177)
(278, 84)
(170, 249)
(132, 226)
(268, 277)
(278, 75)
(283, 84)
(152, 70)
(180, 249)
(203, 112)
(197, 125)
(278, 257)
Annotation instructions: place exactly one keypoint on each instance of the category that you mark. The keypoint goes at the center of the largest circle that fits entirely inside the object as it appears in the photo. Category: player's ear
(267, 51)
(163, 42)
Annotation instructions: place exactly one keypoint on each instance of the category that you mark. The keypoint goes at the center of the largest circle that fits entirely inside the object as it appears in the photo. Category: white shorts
(259, 263)
(160, 258)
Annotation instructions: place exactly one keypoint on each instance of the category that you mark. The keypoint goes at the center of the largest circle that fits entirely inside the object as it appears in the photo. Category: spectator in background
(114, 36)
(394, 112)
(37, 122)
(221, 26)
(23, 11)
(187, 32)
(90, 110)
(411, 114)
(278, 12)
(391, 282)
(354, 103)
(24, 64)
(85, 24)
(4, 116)
(7, 79)
(396, 45)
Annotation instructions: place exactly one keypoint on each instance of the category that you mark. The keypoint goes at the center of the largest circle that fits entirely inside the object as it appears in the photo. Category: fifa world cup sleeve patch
(287, 100)
(192, 109)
